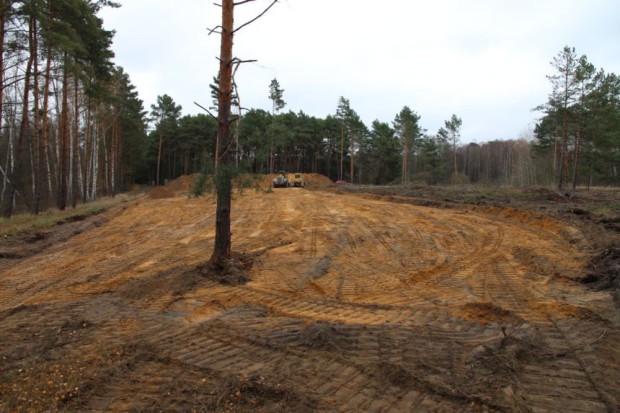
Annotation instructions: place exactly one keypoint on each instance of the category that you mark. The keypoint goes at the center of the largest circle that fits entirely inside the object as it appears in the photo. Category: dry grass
(21, 223)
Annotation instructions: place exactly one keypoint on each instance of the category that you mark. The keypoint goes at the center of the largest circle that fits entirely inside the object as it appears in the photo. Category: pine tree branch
(255, 18)
(214, 30)
(238, 61)
(206, 110)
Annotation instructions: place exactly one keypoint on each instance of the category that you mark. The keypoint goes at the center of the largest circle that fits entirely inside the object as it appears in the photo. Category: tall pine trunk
(75, 144)
(3, 10)
(87, 155)
(161, 138)
(563, 161)
(405, 167)
(44, 147)
(222, 249)
(577, 154)
(64, 140)
(352, 166)
(341, 171)
(38, 149)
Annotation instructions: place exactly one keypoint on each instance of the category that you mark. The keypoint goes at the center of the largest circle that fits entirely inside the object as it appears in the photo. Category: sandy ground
(356, 304)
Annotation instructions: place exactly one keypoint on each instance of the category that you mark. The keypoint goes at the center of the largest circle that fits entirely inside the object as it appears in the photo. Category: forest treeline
(72, 127)
(576, 142)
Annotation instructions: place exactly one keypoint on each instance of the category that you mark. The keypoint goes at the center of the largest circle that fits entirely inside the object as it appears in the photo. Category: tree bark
(222, 249)
(352, 166)
(19, 173)
(38, 146)
(45, 125)
(64, 140)
(563, 158)
(340, 176)
(75, 147)
(577, 153)
(87, 154)
(161, 138)
(456, 170)
(2, 68)
(405, 167)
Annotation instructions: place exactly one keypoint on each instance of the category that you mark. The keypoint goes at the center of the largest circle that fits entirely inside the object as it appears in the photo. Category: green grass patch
(607, 209)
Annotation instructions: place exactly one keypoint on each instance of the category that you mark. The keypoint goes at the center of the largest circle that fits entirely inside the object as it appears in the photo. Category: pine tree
(408, 130)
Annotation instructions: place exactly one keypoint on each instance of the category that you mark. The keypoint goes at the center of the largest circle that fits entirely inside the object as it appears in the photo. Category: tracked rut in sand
(355, 304)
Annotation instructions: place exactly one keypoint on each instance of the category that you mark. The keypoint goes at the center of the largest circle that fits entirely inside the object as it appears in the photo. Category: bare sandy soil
(356, 302)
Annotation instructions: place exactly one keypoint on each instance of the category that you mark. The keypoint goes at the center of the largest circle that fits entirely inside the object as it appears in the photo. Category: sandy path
(358, 303)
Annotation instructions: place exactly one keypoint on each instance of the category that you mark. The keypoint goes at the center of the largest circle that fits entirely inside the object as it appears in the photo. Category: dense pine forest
(72, 126)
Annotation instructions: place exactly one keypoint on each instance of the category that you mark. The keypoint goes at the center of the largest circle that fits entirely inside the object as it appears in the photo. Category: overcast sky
(483, 60)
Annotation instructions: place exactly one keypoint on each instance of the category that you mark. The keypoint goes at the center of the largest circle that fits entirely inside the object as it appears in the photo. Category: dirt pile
(160, 192)
(317, 180)
(182, 184)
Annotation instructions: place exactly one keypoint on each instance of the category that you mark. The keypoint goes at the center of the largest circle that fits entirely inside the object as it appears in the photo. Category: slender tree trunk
(64, 140)
(112, 157)
(2, 68)
(115, 154)
(456, 171)
(563, 158)
(95, 165)
(2, 37)
(217, 151)
(75, 146)
(19, 173)
(271, 146)
(45, 126)
(222, 248)
(161, 138)
(119, 155)
(87, 154)
(404, 170)
(341, 172)
(106, 163)
(38, 144)
(577, 153)
(352, 166)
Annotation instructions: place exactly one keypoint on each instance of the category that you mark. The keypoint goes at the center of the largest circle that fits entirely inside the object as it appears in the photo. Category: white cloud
(484, 60)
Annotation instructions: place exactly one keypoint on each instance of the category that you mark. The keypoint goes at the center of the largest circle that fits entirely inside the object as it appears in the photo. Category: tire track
(573, 388)
(359, 301)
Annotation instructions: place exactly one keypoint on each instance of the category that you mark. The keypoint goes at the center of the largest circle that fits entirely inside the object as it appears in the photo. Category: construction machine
(281, 180)
(298, 180)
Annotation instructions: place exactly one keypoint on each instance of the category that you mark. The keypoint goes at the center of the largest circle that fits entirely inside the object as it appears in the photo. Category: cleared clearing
(357, 303)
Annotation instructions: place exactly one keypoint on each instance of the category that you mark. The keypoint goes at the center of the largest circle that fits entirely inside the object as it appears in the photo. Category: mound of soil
(182, 184)
(160, 192)
(317, 180)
